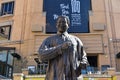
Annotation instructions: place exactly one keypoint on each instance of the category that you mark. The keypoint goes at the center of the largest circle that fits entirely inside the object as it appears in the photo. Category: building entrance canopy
(12, 50)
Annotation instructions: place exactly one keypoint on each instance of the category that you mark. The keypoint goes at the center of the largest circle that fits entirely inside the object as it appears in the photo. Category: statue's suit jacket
(63, 64)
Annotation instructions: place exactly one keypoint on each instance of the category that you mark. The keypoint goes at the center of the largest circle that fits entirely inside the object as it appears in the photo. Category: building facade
(24, 24)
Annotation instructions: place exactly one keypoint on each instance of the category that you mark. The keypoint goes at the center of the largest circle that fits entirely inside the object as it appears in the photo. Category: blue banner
(75, 10)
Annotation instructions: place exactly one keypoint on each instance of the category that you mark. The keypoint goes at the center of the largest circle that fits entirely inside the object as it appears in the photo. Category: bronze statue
(64, 53)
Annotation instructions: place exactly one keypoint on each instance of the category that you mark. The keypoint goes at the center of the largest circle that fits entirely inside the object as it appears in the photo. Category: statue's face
(62, 25)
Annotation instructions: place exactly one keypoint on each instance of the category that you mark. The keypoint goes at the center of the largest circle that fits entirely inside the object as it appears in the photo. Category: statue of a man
(64, 53)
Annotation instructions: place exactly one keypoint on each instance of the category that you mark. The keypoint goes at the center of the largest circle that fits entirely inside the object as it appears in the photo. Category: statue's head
(62, 24)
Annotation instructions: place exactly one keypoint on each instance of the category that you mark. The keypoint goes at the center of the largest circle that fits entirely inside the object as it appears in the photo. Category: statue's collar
(65, 33)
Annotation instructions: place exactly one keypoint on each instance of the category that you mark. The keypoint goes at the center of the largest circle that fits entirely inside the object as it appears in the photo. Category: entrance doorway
(118, 61)
(93, 60)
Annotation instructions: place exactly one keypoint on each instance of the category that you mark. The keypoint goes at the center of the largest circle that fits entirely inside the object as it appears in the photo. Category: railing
(88, 71)
(94, 70)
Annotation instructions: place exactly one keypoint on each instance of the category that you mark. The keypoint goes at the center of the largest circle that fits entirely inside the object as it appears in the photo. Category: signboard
(75, 10)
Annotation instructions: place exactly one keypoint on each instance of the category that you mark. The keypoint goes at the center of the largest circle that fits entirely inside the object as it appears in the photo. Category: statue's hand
(83, 65)
(65, 45)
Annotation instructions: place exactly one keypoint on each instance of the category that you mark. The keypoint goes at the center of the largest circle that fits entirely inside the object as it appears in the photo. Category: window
(42, 68)
(7, 8)
(5, 31)
(3, 56)
(10, 58)
(6, 63)
(32, 69)
(2, 69)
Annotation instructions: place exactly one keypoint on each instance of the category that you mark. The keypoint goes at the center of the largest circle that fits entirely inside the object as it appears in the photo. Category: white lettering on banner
(64, 9)
(75, 6)
(55, 16)
(71, 10)
(63, 6)
(75, 19)
(75, 15)
(64, 12)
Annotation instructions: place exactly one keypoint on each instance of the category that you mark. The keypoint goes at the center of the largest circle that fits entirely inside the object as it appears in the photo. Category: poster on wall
(76, 11)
